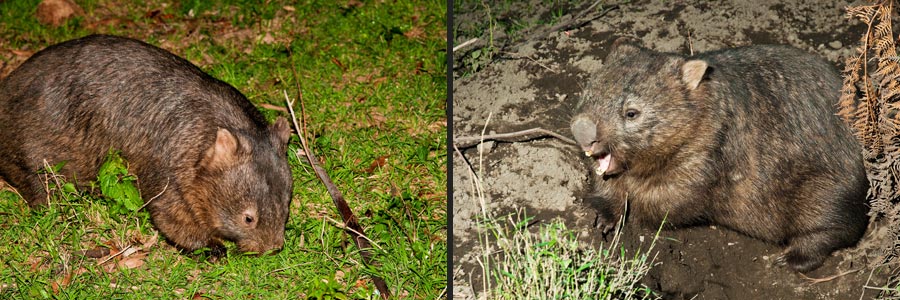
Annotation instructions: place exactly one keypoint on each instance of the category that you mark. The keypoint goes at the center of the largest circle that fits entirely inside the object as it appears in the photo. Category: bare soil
(535, 80)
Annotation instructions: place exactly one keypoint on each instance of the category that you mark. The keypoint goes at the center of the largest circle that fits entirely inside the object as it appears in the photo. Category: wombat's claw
(605, 227)
(797, 262)
(780, 261)
(215, 253)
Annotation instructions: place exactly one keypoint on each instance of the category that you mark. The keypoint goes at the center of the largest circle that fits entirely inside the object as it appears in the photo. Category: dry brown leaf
(354, 4)
(22, 53)
(377, 118)
(193, 275)
(109, 268)
(56, 12)
(96, 252)
(377, 163)
(289, 8)
(131, 262)
(415, 33)
(268, 39)
(150, 242)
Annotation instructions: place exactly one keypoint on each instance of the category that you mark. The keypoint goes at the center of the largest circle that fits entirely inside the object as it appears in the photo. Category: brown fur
(218, 167)
(746, 138)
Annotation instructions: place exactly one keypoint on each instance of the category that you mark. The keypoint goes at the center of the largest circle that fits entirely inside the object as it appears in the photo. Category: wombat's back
(100, 87)
(782, 133)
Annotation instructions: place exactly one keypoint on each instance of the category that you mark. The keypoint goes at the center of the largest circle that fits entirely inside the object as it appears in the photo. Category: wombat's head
(639, 109)
(244, 187)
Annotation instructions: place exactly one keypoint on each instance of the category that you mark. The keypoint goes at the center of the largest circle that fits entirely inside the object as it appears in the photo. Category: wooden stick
(518, 136)
(353, 228)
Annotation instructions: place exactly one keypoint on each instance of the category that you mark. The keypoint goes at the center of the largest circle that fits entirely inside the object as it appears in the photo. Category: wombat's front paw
(606, 223)
(800, 262)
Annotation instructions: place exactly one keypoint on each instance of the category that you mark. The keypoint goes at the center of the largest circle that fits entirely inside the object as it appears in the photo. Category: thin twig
(519, 56)
(110, 257)
(575, 22)
(343, 208)
(342, 226)
(813, 280)
(165, 187)
(466, 43)
(511, 137)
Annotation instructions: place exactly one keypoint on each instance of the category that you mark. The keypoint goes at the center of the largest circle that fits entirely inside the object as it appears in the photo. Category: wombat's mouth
(606, 163)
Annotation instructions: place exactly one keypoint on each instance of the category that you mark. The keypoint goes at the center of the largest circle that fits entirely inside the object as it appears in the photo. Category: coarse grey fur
(218, 167)
(746, 138)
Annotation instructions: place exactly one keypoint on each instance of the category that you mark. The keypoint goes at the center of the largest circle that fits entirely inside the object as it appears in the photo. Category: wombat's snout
(259, 248)
(585, 133)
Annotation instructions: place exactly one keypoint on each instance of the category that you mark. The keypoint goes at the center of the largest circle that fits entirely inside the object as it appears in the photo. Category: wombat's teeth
(603, 164)
(588, 153)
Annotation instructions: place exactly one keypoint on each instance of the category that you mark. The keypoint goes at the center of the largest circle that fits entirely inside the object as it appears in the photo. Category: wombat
(746, 138)
(217, 169)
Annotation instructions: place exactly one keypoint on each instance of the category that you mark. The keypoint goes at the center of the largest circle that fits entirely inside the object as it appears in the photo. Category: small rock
(836, 45)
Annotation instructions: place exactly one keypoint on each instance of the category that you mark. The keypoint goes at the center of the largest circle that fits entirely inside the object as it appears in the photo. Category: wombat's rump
(218, 168)
(746, 138)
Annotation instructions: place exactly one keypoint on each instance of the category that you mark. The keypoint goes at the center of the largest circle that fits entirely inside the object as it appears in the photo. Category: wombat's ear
(224, 152)
(623, 47)
(692, 72)
(282, 130)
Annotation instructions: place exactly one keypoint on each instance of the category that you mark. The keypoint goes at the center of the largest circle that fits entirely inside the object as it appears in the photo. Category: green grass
(373, 80)
(549, 262)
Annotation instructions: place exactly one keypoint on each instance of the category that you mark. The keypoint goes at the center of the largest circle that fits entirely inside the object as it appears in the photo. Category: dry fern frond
(869, 104)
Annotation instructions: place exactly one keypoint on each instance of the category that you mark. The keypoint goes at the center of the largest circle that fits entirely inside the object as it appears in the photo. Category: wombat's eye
(631, 113)
(248, 219)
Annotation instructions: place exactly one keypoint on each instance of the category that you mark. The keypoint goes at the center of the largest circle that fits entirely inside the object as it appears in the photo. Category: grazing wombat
(746, 138)
(218, 168)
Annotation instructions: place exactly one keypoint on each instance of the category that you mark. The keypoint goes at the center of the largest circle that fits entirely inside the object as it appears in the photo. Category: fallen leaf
(97, 252)
(289, 8)
(339, 64)
(131, 262)
(150, 242)
(56, 12)
(377, 118)
(128, 252)
(361, 283)
(22, 53)
(415, 33)
(339, 276)
(377, 163)
(418, 69)
(193, 275)
(354, 4)
(268, 39)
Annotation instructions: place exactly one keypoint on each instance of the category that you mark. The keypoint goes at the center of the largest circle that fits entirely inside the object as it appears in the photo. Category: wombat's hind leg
(808, 252)
(34, 191)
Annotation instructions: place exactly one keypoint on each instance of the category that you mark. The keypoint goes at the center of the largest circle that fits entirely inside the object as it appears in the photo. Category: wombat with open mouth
(747, 138)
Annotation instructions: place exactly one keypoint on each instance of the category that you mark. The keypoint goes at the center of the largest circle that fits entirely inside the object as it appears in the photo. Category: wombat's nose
(584, 131)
